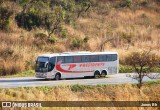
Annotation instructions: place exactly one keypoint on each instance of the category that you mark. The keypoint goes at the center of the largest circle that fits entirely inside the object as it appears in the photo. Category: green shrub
(80, 88)
(40, 36)
(63, 33)
(129, 69)
(125, 3)
(125, 69)
(76, 43)
(144, 2)
(69, 19)
(152, 82)
(5, 18)
(156, 69)
(86, 39)
(26, 73)
(52, 40)
(45, 89)
(28, 20)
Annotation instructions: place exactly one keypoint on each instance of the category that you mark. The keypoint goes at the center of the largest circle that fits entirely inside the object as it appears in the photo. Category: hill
(33, 27)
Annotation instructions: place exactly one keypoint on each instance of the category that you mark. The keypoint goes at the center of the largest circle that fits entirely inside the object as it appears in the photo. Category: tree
(142, 62)
(32, 13)
(104, 40)
(82, 6)
(53, 20)
(107, 36)
(41, 14)
(50, 15)
(5, 16)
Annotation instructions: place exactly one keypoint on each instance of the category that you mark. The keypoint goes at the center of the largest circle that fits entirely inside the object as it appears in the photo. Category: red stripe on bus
(58, 67)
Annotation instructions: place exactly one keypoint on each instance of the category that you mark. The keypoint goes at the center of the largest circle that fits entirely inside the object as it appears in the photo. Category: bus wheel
(104, 73)
(96, 74)
(57, 76)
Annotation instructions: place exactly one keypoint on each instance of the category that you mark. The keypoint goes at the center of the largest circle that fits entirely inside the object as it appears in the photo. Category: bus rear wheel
(57, 76)
(104, 73)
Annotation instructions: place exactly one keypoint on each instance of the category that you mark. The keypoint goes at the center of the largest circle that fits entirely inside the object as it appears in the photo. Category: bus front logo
(71, 66)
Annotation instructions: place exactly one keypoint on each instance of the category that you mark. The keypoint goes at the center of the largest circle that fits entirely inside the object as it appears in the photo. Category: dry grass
(15, 52)
(125, 92)
(139, 24)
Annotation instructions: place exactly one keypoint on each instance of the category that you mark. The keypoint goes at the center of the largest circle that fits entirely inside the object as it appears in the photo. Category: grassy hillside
(125, 25)
(124, 92)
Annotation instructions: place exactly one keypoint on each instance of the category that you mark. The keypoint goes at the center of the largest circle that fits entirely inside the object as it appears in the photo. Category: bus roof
(75, 53)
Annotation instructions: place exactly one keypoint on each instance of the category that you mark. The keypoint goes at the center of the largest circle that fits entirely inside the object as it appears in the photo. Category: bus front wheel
(57, 76)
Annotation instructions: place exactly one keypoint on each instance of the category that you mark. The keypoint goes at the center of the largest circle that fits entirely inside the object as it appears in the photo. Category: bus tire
(57, 76)
(103, 73)
(96, 74)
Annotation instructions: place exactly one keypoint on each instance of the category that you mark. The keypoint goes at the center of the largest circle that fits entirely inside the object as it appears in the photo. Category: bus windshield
(41, 64)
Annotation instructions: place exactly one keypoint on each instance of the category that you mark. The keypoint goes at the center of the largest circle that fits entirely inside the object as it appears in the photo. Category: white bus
(76, 64)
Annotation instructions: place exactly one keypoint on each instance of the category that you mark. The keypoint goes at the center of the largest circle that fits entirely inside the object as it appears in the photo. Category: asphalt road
(32, 81)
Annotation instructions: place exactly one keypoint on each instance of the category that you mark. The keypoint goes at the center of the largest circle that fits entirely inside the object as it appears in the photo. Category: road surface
(32, 81)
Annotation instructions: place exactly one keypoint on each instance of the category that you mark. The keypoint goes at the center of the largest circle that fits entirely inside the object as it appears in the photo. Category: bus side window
(85, 58)
(60, 59)
(102, 58)
(94, 58)
(114, 57)
(109, 57)
(77, 59)
(68, 59)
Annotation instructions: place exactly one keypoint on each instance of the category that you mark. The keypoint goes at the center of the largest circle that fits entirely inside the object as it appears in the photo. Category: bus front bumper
(41, 75)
